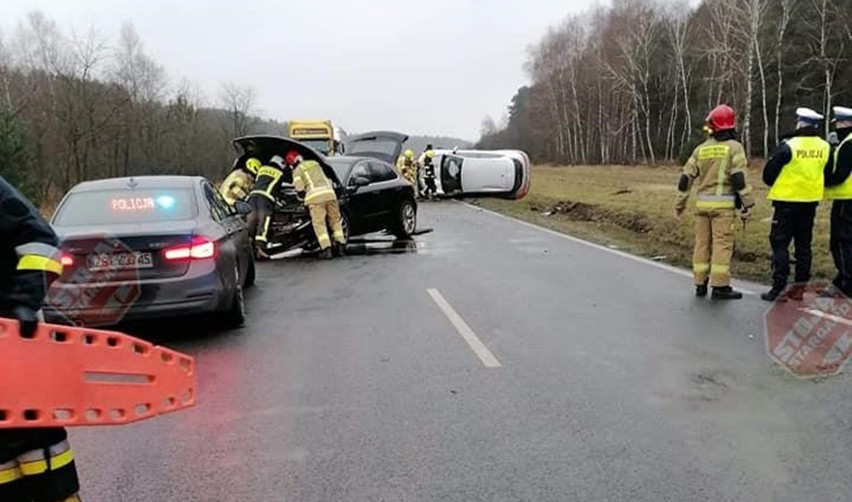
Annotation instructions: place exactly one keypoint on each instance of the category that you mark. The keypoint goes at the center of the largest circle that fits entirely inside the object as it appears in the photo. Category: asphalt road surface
(489, 361)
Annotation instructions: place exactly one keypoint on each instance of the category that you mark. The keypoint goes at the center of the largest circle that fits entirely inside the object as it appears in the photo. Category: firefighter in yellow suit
(239, 183)
(409, 168)
(321, 201)
(717, 170)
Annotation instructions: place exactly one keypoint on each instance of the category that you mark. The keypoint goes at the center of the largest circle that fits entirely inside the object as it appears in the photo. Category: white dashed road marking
(464, 330)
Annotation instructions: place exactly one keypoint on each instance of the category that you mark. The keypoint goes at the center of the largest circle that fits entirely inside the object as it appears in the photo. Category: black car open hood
(383, 145)
(264, 147)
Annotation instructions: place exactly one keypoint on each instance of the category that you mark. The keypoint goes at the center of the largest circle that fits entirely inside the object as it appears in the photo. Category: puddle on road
(367, 247)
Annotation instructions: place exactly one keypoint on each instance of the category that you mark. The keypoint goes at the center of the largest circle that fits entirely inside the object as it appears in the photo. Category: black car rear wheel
(406, 220)
(251, 275)
(235, 316)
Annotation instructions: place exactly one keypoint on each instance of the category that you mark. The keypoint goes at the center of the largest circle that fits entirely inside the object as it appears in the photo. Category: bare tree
(786, 8)
(239, 101)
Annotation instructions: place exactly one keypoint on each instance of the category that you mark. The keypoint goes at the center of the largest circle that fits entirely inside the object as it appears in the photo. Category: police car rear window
(126, 206)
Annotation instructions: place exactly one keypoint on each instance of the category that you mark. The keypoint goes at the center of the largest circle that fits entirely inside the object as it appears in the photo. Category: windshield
(385, 147)
(126, 206)
(320, 145)
(341, 167)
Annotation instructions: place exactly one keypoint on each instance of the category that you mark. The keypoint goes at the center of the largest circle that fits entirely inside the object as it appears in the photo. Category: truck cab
(317, 134)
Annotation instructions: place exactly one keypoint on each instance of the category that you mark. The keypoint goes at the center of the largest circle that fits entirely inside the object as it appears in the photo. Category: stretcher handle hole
(186, 398)
(170, 402)
(4, 415)
(166, 357)
(59, 336)
(63, 414)
(93, 415)
(117, 414)
(142, 409)
(32, 415)
(89, 339)
(113, 341)
(185, 364)
(138, 348)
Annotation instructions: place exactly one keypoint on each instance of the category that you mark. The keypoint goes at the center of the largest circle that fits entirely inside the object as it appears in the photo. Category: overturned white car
(490, 173)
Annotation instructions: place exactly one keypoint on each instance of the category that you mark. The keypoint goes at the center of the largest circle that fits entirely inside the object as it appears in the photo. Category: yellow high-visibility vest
(842, 191)
(803, 178)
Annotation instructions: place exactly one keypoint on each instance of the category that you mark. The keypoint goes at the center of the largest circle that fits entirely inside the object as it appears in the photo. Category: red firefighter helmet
(722, 118)
(292, 158)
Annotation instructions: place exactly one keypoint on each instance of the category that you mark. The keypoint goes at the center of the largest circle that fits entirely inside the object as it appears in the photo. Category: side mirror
(243, 208)
(359, 181)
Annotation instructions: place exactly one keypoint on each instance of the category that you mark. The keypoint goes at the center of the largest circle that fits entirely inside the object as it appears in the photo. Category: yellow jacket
(309, 177)
(711, 170)
(236, 186)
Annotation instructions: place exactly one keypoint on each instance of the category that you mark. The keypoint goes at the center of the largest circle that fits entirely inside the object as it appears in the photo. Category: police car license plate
(119, 261)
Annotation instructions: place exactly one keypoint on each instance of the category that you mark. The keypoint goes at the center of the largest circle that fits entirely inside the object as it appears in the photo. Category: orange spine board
(67, 376)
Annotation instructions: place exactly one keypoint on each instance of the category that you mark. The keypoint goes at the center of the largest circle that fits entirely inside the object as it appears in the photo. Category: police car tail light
(199, 248)
(66, 260)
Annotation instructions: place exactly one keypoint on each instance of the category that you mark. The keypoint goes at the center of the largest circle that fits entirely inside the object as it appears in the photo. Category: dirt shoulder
(630, 208)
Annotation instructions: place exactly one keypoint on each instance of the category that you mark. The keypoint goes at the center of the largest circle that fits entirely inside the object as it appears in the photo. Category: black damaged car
(372, 196)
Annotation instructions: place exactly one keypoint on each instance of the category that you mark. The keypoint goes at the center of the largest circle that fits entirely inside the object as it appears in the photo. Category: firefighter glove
(27, 318)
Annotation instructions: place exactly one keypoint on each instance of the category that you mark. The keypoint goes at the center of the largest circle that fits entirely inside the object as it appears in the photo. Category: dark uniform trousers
(841, 244)
(36, 465)
(792, 222)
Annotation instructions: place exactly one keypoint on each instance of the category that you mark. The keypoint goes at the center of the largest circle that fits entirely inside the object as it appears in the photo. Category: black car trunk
(129, 252)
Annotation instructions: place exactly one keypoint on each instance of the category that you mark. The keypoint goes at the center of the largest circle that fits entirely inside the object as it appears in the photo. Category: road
(352, 383)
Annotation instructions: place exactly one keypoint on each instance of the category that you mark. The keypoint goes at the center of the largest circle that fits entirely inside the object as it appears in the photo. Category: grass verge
(630, 208)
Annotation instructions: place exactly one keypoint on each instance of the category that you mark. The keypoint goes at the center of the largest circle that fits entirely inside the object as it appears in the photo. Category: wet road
(497, 362)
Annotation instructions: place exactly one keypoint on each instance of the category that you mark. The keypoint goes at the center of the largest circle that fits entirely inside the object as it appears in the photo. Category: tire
(347, 227)
(406, 220)
(251, 275)
(235, 316)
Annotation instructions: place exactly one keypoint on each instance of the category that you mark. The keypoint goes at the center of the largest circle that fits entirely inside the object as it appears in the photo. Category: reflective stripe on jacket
(29, 257)
(803, 178)
(842, 191)
(710, 168)
(236, 186)
(266, 182)
(309, 177)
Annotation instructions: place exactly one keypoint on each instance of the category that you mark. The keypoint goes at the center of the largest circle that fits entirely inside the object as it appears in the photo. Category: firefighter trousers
(792, 222)
(841, 244)
(36, 465)
(714, 246)
(324, 215)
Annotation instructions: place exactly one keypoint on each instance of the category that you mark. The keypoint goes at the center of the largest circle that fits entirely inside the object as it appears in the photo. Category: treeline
(633, 82)
(75, 107)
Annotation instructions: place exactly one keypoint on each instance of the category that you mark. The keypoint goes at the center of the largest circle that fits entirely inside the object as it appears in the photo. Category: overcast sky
(417, 66)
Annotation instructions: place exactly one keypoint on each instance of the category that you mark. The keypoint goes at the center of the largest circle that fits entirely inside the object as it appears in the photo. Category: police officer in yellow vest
(321, 201)
(796, 174)
(839, 190)
(717, 169)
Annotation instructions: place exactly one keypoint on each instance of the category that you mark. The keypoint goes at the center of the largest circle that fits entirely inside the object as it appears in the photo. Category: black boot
(726, 293)
(338, 249)
(701, 290)
(326, 254)
(773, 294)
